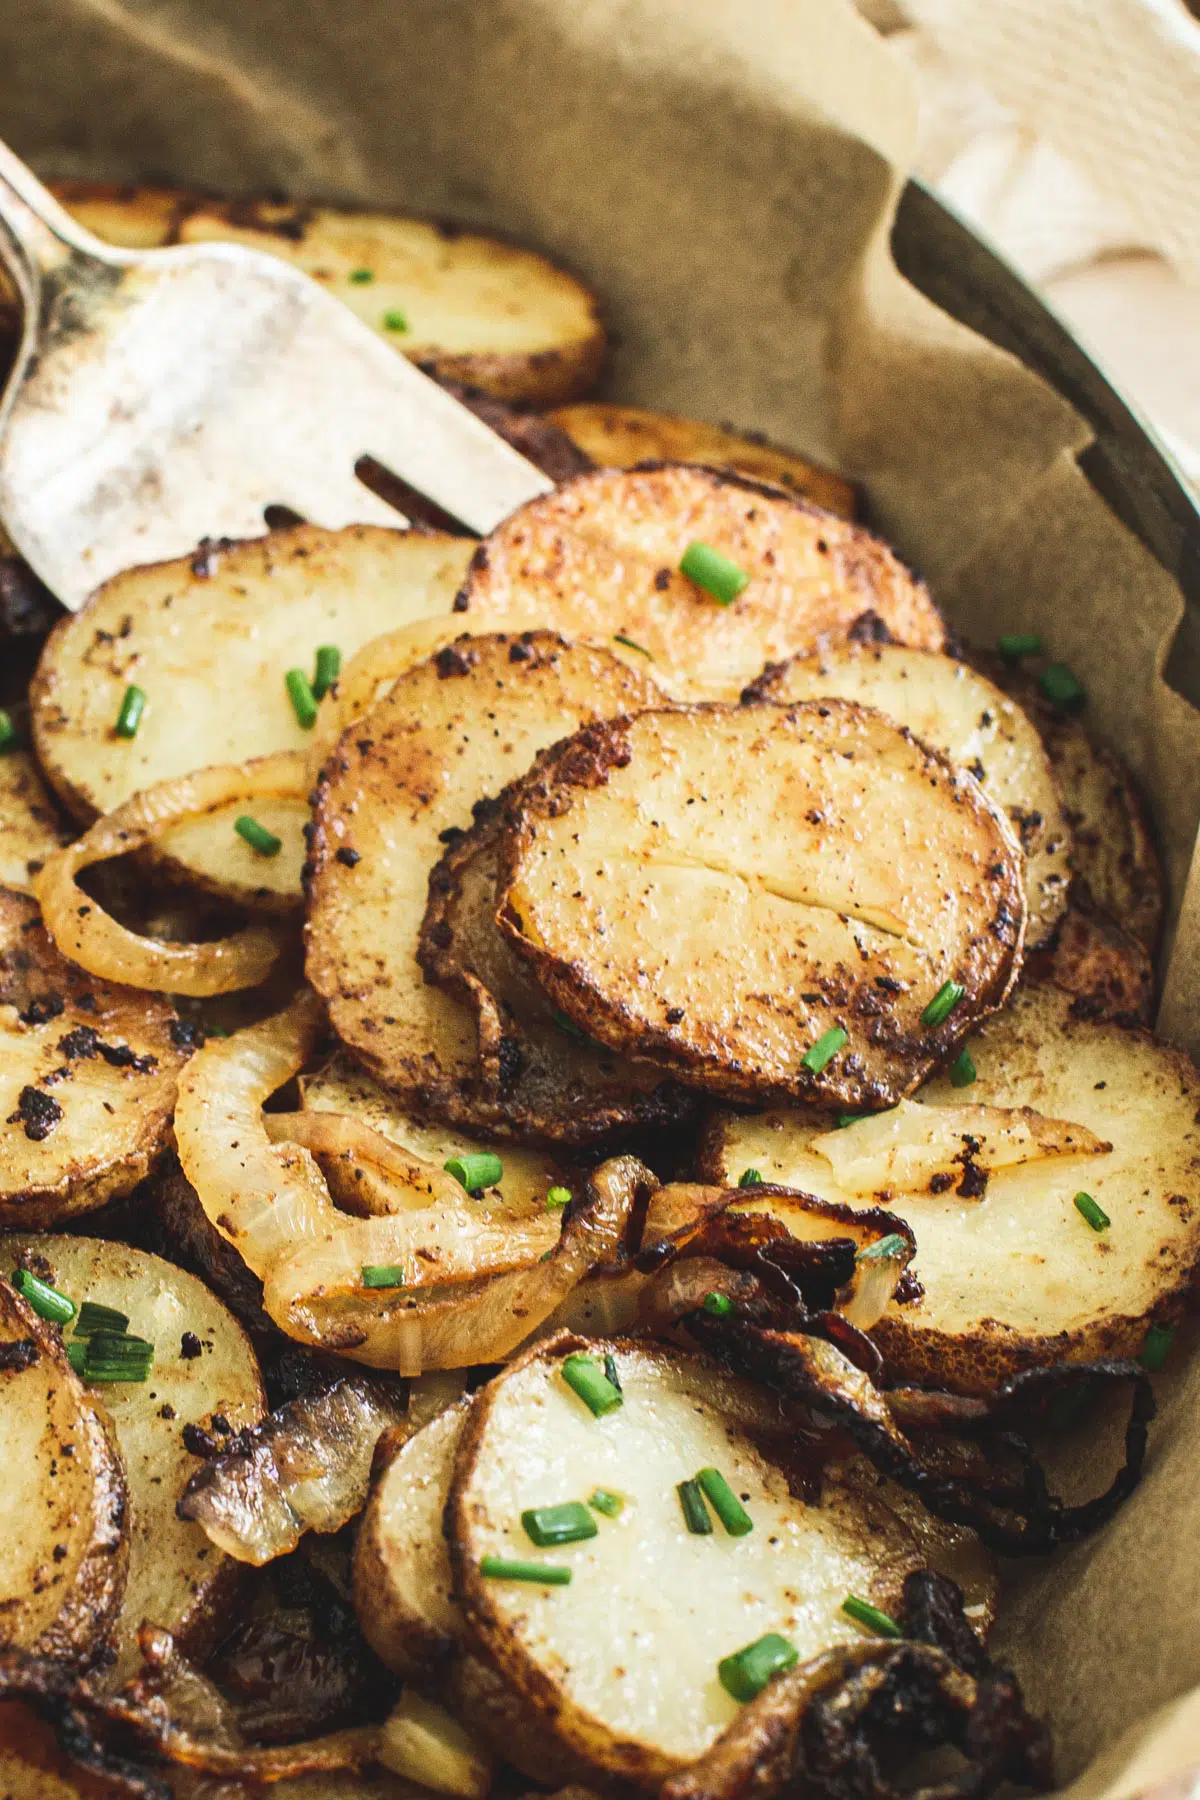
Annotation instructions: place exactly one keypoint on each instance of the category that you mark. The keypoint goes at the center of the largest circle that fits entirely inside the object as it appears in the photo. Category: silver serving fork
(162, 397)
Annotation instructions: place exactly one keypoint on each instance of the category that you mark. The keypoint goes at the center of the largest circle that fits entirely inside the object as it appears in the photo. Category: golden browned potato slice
(30, 825)
(136, 218)
(617, 437)
(87, 1078)
(471, 307)
(209, 639)
(1012, 1272)
(948, 705)
(599, 559)
(1108, 970)
(622, 1663)
(64, 1535)
(403, 780)
(402, 1581)
(203, 1366)
(720, 889)
(342, 1088)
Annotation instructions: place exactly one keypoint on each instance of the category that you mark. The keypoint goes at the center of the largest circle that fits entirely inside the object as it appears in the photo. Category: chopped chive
(1020, 643)
(745, 1674)
(1095, 1215)
(1060, 686)
(1157, 1347)
(119, 1344)
(77, 1357)
(962, 1070)
(383, 1275)
(110, 1357)
(45, 1300)
(569, 1523)
(9, 735)
(477, 1172)
(713, 572)
(725, 1503)
(891, 1245)
(695, 1513)
(557, 1198)
(610, 1371)
(620, 638)
(93, 1318)
(258, 838)
(327, 666)
(718, 1306)
(603, 1500)
(863, 1613)
(750, 1178)
(819, 1055)
(503, 1568)
(943, 1003)
(394, 320)
(360, 277)
(584, 1376)
(301, 696)
(844, 1119)
(133, 705)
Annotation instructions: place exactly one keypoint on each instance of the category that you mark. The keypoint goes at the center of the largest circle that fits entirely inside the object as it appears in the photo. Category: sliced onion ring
(368, 1174)
(92, 938)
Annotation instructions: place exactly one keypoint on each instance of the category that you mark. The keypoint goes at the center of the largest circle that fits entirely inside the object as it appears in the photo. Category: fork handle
(38, 237)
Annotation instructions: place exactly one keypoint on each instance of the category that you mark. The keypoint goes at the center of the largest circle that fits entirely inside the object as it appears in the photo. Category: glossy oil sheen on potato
(714, 889)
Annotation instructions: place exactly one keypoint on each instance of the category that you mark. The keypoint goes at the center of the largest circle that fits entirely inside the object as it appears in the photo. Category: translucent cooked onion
(92, 938)
(367, 1173)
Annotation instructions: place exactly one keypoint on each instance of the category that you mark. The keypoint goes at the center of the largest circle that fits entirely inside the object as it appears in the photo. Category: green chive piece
(745, 1674)
(713, 572)
(1020, 643)
(133, 705)
(750, 1178)
(557, 1198)
(327, 666)
(503, 1568)
(603, 1500)
(584, 1376)
(9, 735)
(257, 836)
(620, 638)
(725, 1503)
(844, 1119)
(77, 1357)
(718, 1306)
(962, 1070)
(360, 277)
(1157, 1347)
(891, 1245)
(1095, 1215)
(863, 1613)
(383, 1275)
(819, 1055)
(394, 320)
(109, 1357)
(569, 1523)
(943, 1003)
(1061, 687)
(610, 1371)
(476, 1172)
(45, 1300)
(695, 1513)
(301, 696)
(93, 1318)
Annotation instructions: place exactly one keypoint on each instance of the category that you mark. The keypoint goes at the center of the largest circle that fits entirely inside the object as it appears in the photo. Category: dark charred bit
(21, 1354)
(187, 1034)
(39, 1113)
(933, 1614)
(198, 1442)
(674, 1015)
(82, 1042)
(519, 652)
(43, 1009)
(511, 1058)
(451, 834)
(974, 1182)
(349, 856)
(455, 659)
(941, 1183)
(662, 579)
(190, 1346)
(869, 628)
(207, 555)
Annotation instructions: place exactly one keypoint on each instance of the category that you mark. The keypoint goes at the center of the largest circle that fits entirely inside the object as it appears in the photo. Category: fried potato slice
(203, 1367)
(64, 1536)
(135, 218)
(209, 639)
(622, 1663)
(404, 779)
(402, 1580)
(617, 437)
(88, 1074)
(715, 889)
(947, 704)
(30, 824)
(598, 559)
(470, 308)
(1012, 1274)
